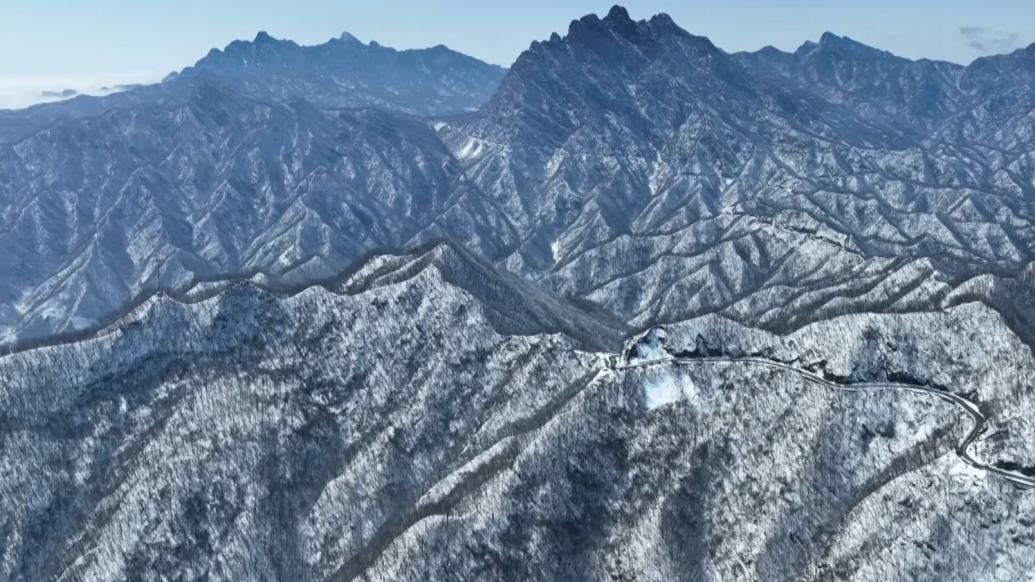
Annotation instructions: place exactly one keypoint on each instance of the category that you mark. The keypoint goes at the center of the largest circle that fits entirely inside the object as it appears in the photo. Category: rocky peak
(618, 14)
(844, 47)
(595, 65)
(829, 39)
(602, 34)
(262, 46)
(348, 38)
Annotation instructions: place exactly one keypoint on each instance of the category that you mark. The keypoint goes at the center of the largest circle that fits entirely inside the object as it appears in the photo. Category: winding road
(962, 449)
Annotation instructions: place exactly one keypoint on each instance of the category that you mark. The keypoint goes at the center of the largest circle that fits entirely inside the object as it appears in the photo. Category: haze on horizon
(54, 45)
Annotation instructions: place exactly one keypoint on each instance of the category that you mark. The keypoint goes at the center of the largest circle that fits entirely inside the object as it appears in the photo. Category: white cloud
(989, 41)
(18, 92)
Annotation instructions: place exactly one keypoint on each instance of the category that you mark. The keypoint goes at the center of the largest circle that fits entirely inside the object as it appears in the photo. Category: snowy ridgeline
(835, 179)
(253, 437)
(968, 350)
(386, 429)
(436, 416)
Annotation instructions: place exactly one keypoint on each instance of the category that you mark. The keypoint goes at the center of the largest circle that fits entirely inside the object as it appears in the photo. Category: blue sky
(84, 44)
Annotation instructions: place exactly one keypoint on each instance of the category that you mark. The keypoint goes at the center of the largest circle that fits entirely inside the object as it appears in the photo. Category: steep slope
(986, 104)
(1001, 115)
(345, 72)
(628, 163)
(275, 419)
(664, 178)
(913, 95)
(224, 403)
(341, 73)
(97, 211)
(389, 426)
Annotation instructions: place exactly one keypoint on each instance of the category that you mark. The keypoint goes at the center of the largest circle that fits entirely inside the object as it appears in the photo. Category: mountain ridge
(456, 265)
(441, 81)
(606, 327)
(332, 436)
(609, 164)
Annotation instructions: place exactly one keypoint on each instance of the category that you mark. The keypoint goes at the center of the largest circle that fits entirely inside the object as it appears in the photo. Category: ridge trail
(962, 449)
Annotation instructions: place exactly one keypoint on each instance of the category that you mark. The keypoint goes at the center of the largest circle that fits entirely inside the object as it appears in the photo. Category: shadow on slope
(514, 306)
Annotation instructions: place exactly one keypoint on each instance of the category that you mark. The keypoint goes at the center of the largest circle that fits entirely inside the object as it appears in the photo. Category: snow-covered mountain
(629, 163)
(345, 72)
(300, 313)
(669, 178)
(910, 97)
(158, 198)
(341, 73)
(424, 417)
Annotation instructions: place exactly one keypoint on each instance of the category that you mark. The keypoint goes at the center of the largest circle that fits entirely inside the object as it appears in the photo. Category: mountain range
(346, 312)
(341, 73)
(628, 163)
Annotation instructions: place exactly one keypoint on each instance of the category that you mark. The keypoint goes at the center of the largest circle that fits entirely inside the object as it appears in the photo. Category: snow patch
(472, 148)
(51, 312)
(663, 390)
(963, 472)
(79, 322)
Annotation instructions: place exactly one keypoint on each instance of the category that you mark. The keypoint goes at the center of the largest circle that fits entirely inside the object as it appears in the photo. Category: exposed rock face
(251, 358)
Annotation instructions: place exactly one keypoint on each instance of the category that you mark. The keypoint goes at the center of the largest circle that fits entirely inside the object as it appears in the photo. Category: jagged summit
(830, 39)
(844, 47)
(263, 45)
(588, 22)
(618, 22)
(618, 12)
(619, 16)
(603, 65)
(612, 38)
(345, 72)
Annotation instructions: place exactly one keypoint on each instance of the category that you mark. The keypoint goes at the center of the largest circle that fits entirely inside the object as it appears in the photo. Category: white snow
(471, 148)
(663, 390)
(51, 311)
(964, 472)
(78, 322)
(651, 346)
